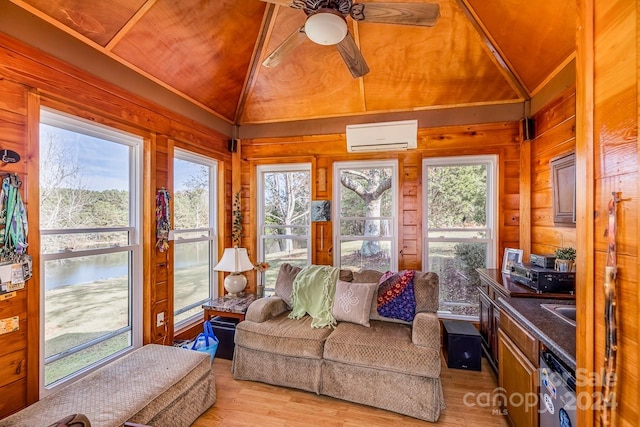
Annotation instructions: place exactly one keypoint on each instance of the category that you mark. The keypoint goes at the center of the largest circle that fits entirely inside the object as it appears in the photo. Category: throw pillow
(284, 282)
(352, 302)
(395, 295)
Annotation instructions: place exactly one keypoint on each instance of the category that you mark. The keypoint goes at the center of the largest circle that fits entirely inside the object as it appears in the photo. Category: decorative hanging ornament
(163, 220)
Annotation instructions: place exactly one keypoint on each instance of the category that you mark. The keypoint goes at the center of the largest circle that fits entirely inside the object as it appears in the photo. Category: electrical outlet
(160, 319)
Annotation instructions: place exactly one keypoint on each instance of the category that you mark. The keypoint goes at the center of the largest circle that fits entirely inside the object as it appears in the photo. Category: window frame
(260, 223)
(395, 185)
(69, 122)
(212, 231)
(492, 213)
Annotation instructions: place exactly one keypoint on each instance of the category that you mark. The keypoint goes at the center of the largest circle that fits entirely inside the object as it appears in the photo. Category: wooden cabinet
(519, 379)
(489, 321)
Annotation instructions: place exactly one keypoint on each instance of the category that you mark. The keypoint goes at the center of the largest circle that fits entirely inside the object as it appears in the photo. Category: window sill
(189, 330)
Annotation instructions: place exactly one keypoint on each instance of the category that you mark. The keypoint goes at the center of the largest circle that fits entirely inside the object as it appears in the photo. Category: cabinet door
(519, 379)
(485, 317)
(494, 325)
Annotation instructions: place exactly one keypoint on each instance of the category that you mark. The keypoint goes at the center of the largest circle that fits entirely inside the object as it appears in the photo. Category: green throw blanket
(313, 291)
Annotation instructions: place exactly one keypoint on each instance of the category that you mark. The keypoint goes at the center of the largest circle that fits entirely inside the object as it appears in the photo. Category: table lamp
(234, 261)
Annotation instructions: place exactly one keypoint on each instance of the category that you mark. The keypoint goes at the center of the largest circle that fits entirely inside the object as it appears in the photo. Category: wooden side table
(235, 307)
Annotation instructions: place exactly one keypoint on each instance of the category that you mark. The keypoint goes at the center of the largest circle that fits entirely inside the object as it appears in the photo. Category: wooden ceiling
(210, 52)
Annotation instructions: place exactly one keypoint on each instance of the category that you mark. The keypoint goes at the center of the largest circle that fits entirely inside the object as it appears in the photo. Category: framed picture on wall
(320, 210)
(511, 257)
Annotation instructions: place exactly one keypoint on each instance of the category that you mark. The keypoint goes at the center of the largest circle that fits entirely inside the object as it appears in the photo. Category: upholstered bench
(155, 385)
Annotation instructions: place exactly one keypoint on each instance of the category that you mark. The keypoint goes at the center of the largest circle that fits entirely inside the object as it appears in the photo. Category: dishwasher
(557, 392)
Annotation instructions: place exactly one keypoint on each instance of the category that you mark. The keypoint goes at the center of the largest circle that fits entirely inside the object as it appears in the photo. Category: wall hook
(9, 156)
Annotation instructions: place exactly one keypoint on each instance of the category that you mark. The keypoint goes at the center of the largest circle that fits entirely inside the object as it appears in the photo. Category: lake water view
(82, 270)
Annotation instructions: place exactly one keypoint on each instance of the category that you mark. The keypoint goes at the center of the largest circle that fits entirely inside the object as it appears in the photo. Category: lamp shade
(234, 260)
(325, 28)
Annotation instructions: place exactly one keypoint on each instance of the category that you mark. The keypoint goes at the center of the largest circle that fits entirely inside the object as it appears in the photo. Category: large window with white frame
(195, 207)
(284, 202)
(91, 292)
(365, 198)
(460, 224)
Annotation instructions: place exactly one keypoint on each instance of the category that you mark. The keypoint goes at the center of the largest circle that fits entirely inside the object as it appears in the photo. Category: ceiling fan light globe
(325, 28)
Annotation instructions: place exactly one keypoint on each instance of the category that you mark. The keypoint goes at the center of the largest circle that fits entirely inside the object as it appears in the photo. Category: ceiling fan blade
(296, 4)
(421, 14)
(290, 43)
(352, 57)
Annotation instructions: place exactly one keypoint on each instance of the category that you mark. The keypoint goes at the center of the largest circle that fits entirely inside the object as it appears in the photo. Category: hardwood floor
(246, 403)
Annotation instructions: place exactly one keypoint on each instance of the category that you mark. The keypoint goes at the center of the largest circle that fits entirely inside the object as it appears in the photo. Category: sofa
(373, 360)
(153, 385)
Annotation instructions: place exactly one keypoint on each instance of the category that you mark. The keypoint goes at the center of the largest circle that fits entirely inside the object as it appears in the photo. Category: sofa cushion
(426, 287)
(284, 283)
(284, 336)
(367, 276)
(352, 302)
(384, 345)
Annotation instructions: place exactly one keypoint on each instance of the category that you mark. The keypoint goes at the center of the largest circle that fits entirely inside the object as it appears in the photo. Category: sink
(566, 312)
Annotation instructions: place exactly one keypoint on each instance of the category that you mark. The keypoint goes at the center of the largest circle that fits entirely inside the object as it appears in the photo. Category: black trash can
(225, 330)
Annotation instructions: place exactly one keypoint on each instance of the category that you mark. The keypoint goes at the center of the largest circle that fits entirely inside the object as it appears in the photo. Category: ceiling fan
(326, 25)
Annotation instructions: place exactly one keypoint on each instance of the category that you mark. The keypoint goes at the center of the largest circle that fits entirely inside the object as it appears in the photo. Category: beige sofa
(392, 365)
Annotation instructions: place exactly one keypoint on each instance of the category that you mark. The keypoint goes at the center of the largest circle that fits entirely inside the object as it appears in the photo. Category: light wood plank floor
(246, 403)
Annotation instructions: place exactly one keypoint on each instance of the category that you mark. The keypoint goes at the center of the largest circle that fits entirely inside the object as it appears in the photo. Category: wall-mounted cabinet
(563, 175)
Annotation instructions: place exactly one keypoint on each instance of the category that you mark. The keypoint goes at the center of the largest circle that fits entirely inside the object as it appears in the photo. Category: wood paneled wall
(321, 151)
(29, 79)
(616, 171)
(555, 126)
(14, 351)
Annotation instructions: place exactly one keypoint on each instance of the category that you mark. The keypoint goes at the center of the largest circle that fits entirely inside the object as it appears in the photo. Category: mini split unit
(386, 136)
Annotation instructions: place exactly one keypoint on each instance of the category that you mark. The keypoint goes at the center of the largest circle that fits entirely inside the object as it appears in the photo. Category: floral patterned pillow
(352, 302)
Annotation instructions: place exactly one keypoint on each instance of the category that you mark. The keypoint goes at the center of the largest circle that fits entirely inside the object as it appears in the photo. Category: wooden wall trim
(585, 286)
(434, 118)
(148, 241)
(525, 199)
(32, 159)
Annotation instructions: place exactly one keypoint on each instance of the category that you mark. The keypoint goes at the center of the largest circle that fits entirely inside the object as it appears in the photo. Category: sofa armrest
(265, 308)
(426, 330)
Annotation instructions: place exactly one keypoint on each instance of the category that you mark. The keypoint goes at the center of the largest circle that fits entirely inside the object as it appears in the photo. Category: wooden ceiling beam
(511, 76)
(462, 115)
(266, 26)
(130, 23)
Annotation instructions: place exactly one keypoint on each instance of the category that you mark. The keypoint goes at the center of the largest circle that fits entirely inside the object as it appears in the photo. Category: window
(284, 201)
(195, 207)
(366, 200)
(459, 223)
(90, 245)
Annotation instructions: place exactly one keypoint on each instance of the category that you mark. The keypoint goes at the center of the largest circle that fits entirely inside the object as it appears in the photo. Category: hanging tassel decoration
(611, 335)
(163, 220)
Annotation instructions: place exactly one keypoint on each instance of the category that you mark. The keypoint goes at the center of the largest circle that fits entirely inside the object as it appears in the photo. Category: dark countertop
(556, 334)
(523, 304)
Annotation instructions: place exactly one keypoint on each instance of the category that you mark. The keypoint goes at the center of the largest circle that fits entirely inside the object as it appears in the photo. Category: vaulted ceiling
(210, 52)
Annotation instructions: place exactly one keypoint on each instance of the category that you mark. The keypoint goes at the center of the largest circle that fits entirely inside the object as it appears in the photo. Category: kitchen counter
(556, 334)
(523, 305)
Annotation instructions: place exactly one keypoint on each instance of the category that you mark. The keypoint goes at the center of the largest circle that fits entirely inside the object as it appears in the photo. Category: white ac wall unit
(385, 136)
